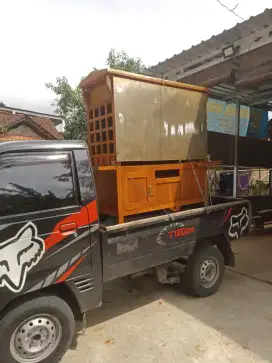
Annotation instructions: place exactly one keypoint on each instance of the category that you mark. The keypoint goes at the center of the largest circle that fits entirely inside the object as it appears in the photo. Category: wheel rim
(209, 273)
(36, 338)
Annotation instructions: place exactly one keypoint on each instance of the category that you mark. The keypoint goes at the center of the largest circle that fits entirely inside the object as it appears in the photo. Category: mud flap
(84, 324)
(224, 246)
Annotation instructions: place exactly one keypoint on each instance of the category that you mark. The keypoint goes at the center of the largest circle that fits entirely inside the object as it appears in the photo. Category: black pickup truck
(55, 256)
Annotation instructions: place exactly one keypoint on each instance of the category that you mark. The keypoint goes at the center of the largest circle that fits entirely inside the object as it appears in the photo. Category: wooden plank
(107, 167)
(120, 207)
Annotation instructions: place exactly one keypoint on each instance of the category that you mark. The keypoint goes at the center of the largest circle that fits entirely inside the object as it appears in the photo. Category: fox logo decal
(18, 255)
(238, 223)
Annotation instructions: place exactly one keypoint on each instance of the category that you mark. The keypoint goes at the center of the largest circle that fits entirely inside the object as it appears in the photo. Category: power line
(231, 10)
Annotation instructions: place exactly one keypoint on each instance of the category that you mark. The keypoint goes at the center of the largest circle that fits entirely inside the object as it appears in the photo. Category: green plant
(258, 187)
(69, 105)
(121, 60)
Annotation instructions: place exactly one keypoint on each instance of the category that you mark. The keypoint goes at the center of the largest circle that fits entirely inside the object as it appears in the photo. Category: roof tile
(46, 126)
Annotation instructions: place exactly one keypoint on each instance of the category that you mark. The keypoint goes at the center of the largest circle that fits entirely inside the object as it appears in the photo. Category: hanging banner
(258, 124)
(221, 118)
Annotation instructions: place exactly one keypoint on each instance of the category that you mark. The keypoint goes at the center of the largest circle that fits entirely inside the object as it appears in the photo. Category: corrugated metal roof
(215, 43)
(259, 97)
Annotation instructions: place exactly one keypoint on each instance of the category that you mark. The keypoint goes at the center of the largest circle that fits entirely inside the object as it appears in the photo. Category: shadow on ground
(241, 310)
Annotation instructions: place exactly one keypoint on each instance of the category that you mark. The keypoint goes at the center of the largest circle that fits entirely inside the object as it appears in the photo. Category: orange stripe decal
(70, 271)
(88, 214)
(92, 211)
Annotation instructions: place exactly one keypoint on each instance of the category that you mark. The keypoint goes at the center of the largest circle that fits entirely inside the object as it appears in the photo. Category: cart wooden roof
(97, 77)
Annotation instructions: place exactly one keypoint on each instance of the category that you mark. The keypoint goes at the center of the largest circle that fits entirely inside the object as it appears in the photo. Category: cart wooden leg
(120, 209)
(120, 219)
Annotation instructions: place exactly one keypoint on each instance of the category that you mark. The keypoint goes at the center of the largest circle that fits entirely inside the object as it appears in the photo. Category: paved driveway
(142, 321)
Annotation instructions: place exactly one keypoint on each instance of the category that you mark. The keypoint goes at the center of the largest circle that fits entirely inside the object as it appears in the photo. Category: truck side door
(90, 285)
(45, 234)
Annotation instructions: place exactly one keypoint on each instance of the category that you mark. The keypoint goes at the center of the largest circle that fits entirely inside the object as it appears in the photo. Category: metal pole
(270, 181)
(214, 182)
(236, 146)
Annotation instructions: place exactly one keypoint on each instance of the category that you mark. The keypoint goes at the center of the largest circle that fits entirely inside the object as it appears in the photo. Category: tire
(28, 327)
(204, 271)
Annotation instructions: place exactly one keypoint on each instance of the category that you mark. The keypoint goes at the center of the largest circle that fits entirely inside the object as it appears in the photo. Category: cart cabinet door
(139, 189)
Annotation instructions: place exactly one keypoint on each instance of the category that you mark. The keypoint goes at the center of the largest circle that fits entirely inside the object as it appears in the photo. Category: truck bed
(147, 242)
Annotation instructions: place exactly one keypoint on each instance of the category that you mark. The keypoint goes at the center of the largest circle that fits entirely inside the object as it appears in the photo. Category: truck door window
(35, 182)
(85, 176)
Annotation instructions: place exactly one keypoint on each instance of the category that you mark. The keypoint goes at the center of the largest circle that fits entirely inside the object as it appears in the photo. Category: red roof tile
(47, 125)
(15, 138)
(41, 125)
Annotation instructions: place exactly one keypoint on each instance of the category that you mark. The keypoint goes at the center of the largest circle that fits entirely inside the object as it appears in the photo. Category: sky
(45, 39)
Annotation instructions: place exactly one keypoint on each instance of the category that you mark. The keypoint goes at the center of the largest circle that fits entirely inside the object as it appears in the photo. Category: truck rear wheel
(204, 271)
(39, 330)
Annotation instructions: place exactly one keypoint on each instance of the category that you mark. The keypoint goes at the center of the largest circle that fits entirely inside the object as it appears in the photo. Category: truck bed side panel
(130, 250)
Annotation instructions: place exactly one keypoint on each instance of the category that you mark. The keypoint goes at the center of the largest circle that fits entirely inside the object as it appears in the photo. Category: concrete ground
(142, 321)
(253, 255)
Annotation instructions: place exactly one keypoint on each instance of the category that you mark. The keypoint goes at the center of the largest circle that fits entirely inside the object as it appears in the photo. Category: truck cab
(49, 231)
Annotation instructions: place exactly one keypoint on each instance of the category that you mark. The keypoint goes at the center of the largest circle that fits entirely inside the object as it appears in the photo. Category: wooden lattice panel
(101, 135)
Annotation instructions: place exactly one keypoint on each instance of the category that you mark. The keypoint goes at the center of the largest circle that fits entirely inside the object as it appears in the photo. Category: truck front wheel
(39, 330)
(204, 271)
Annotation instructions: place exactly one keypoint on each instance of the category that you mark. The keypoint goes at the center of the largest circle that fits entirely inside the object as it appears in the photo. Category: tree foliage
(120, 60)
(69, 105)
(69, 102)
